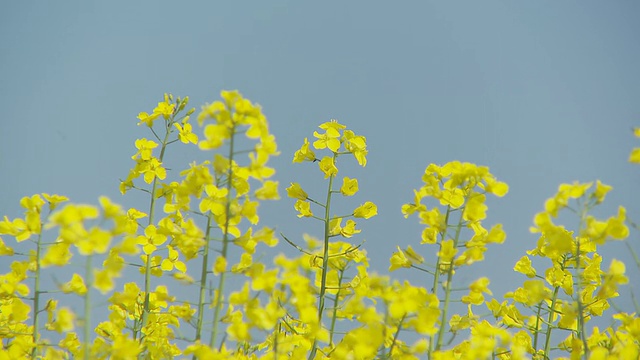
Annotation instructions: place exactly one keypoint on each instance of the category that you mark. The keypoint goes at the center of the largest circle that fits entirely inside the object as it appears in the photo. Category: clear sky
(542, 92)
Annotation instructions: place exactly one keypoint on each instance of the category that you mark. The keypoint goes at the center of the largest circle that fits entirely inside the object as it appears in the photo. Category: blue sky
(542, 92)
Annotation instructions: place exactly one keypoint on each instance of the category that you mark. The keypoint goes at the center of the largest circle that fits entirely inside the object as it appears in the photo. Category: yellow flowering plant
(196, 286)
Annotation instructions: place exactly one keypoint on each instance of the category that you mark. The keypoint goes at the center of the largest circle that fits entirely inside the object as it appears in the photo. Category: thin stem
(203, 280)
(537, 331)
(36, 299)
(225, 241)
(87, 305)
(395, 336)
(325, 259)
(152, 205)
(552, 311)
(335, 308)
(434, 288)
(447, 289)
(436, 277)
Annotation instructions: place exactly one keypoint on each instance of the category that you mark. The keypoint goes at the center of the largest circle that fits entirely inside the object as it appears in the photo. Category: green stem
(578, 292)
(225, 241)
(325, 259)
(396, 335)
(384, 330)
(147, 273)
(537, 332)
(335, 308)
(87, 305)
(447, 289)
(434, 288)
(203, 280)
(436, 277)
(552, 311)
(36, 299)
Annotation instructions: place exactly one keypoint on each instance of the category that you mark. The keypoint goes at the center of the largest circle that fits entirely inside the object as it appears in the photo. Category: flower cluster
(454, 226)
(196, 285)
(573, 289)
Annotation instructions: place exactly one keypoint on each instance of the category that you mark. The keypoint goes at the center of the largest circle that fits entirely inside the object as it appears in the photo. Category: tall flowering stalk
(229, 199)
(338, 141)
(579, 289)
(324, 303)
(460, 188)
(153, 171)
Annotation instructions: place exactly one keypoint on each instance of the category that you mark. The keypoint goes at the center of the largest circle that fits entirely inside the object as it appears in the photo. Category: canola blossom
(200, 232)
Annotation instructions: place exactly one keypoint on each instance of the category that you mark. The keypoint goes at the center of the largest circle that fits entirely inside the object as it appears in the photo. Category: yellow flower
(231, 97)
(246, 241)
(366, 210)
(495, 187)
(332, 124)
(601, 191)
(330, 139)
(476, 290)
(523, 266)
(616, 227)
(54, 200)
(164, 108)
(238, 330)
(76, 285)
(327, 140)
(95, 242)
(156, 260)
(258, 169)
(265, 280)
(147, 119)
(213, 110)
(613, 277)
(296, 191)
(185, 133)
(335, 226)
(220, 265)
(304, 154)
(64, 321)
(349, 186)
(71, 343)
(152, 169)
(447, 251)
(172, 261)
(151, 239)
(145, 148)
(413, 256)
(215, 135)
(57, 254)
(17, 228)
(246, 260)
(349, 229)
(183, 311)
(481, 285)
(6, 250)
(214, 201)
(357, 145)
(475, 209)
(536, 292)
(304, 208)
(267, 317)
(398, 260)
(558, 277)
(328, 167)
(634, 157)
(268, 191)
(453, 197)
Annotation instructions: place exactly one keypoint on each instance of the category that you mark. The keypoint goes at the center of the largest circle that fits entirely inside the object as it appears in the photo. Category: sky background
(542, 92)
